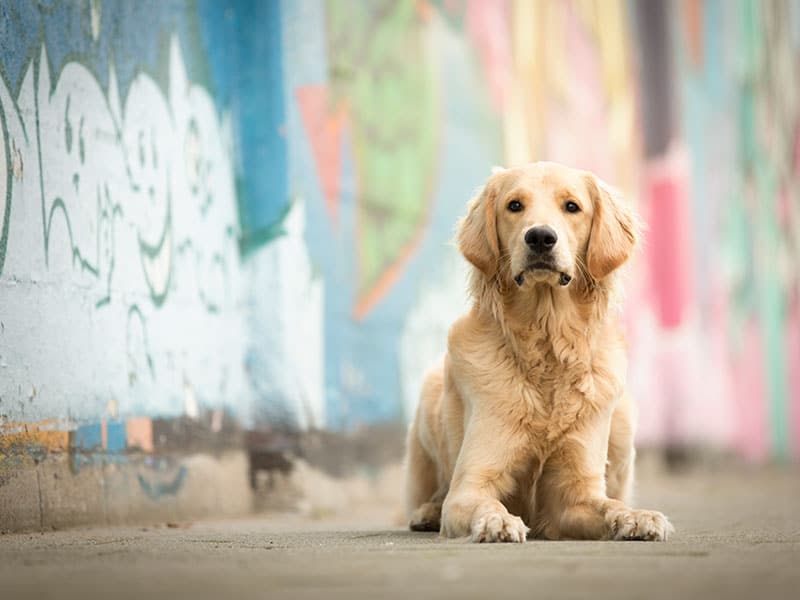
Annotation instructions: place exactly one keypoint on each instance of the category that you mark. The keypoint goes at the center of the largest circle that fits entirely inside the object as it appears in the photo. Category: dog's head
(546, 224)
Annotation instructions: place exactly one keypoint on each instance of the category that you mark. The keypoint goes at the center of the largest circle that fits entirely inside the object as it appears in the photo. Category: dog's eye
(515, 206)
(572, 207)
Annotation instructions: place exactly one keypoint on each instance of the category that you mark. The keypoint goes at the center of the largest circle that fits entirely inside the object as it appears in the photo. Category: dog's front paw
(633, 524)
(496, 526)
(426, 518)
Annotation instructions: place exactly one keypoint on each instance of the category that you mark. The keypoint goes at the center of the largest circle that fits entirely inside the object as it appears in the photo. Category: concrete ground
(738, 536)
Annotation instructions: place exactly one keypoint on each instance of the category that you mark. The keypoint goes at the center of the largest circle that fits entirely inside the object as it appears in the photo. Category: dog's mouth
(563, 278)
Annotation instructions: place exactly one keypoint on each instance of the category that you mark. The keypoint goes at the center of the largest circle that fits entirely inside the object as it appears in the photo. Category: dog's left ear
(615, 231)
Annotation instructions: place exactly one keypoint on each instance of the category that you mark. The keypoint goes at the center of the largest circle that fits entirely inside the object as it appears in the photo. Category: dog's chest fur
(558, 373)
(561, 379)
(557, 385)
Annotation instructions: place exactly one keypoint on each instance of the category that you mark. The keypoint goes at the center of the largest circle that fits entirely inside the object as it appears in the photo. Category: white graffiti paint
(122, 277)
(286, 315)
(95, 10)
(441, 299)
(82, 176)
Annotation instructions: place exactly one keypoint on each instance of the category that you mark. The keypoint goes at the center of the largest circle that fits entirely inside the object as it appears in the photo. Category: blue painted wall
(244, 51)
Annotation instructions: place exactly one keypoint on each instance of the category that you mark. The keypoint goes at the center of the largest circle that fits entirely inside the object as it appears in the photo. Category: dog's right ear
(477, 232)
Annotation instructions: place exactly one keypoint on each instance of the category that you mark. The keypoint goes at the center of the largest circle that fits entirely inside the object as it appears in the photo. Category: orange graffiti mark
(693, 18)
(388, 278)
(15, 437)
(324, 131)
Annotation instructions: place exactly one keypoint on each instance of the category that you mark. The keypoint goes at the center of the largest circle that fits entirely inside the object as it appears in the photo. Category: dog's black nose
(541, 238)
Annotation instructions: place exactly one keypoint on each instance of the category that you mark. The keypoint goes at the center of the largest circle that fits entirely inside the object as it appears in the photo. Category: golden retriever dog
(525, 426)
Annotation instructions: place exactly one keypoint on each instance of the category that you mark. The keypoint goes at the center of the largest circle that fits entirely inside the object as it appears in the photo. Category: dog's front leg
(486, 471)
(572, 494)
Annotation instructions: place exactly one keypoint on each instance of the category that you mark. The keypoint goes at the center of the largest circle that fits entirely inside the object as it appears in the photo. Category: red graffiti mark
(487, 26)
(324, 130)
(669, 242)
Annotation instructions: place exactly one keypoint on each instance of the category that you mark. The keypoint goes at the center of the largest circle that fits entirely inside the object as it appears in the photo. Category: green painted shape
(253, 240)
(772, 308)
(453, 13)
(737, 250)
(135, 311)
(380, 71)
(750, 40)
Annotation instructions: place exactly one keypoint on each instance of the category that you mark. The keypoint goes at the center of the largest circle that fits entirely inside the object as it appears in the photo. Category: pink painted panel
(139, 433)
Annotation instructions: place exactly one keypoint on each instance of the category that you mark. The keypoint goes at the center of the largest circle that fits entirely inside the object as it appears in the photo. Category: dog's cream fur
(525, 426)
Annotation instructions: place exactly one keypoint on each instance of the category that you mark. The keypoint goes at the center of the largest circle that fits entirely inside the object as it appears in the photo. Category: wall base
(67, 490)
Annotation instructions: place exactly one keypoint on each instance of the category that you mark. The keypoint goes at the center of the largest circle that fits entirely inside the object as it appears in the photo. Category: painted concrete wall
(121, 272)
(240, 212)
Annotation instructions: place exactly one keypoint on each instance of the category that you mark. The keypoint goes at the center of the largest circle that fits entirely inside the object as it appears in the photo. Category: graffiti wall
(399, 124)
(241, 212)
(736, 74)
(126, 216)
